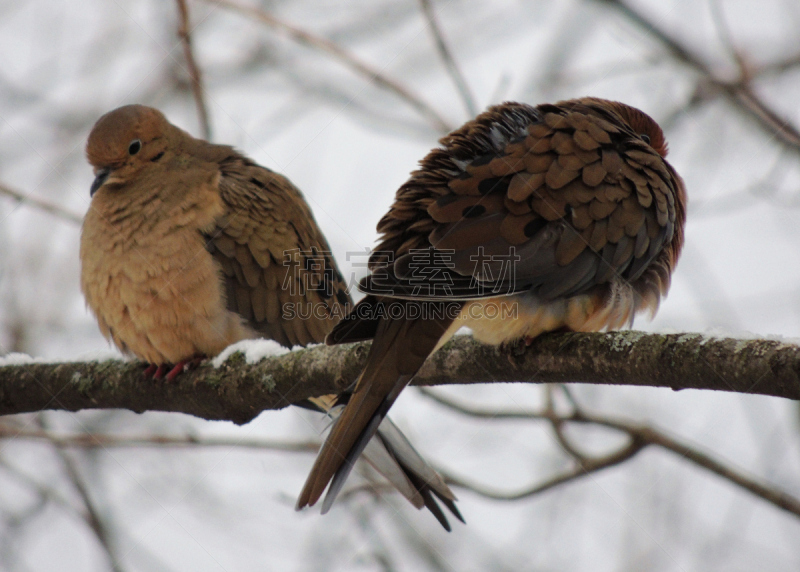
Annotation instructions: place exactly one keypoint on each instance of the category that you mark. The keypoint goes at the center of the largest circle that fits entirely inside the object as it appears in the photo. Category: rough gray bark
(239, 392)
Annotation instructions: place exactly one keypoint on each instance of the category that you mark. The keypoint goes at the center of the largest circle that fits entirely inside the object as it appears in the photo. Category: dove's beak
(99, 179)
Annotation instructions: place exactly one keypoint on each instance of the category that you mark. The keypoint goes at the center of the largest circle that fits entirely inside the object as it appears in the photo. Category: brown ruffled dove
(188, 247)
(525, 220)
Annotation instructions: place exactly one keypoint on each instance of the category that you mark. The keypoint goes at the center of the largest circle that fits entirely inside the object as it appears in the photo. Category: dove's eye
(134, 147)
(645, 138)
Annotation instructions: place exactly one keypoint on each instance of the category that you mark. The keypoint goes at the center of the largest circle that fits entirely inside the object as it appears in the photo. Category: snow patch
(718, 333)
(19, 359)
(254, 351)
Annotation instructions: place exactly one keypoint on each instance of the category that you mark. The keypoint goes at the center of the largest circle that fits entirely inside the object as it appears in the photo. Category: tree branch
(639, 435)
(447, 58)
(41, 204)
(239, 392)
(739, 92)
(184, 33)
(343, 56)
(92, 517)
(102, 441)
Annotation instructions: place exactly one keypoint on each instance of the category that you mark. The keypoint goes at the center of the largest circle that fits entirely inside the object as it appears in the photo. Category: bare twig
(184, 33)
(584, 466)
(93, 440)
(765, 188)
(92, 515)
(726, 37)
(579, 471)
(591, 74)
(773, 495)
(484, 413)
(778, 66)
(557, 423)
(41, 204)
(448, 59)
(640, 436)
(93, 518)
(45, 492)
(343, 56)
(738, 92)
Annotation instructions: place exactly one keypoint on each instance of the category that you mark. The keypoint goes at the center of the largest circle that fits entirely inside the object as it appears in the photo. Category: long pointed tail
(392, 455)
(424, 479)
(399, 349)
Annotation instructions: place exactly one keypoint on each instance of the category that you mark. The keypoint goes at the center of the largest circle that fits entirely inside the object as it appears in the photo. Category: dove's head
(642, 124)
(125, 141)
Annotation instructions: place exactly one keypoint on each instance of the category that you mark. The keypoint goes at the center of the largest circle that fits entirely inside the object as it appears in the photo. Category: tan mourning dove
(189, 247)
(526, 220)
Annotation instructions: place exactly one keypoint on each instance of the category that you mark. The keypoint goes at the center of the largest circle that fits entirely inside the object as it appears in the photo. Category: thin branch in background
(375, 547)
(779, 66)
(569, 36)
(49, 496)
(778, 498)
(92, 515)
(96, 440)
(640, 436)
(765, 189)
(194, 71)
(432, 555)
(579, 471)
(557, 424)
(584, 465)
(93, 518)
(345, 57)
(501, 88)
(726, 37)
(46, 493)
(46, 497)
(41, 204)
(739, 93)
(448, 59)
(599, 72)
